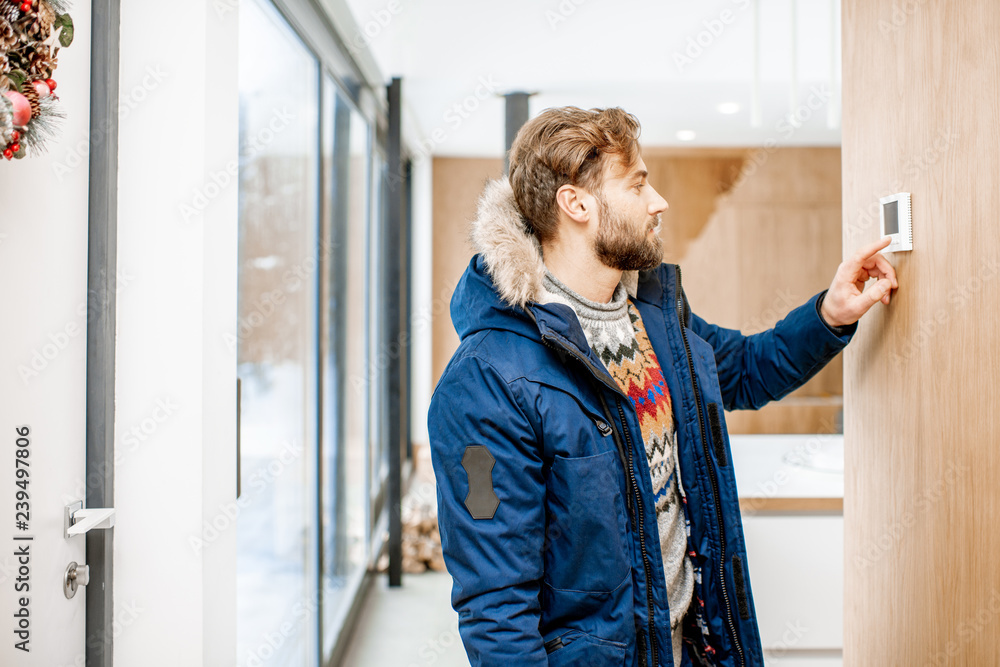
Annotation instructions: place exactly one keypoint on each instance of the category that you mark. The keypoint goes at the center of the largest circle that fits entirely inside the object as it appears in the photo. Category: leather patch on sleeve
(482, 502)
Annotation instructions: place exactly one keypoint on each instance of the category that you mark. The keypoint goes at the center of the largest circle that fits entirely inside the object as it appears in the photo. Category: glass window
(313, 414)
(379, 389)
(347, 369)
(277, 342)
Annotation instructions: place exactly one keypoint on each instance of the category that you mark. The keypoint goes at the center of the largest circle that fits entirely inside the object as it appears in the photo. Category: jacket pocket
(582, 650)
(586, 526)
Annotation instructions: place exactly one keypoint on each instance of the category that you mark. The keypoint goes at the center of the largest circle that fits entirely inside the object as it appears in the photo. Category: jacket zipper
(711, 473)
(642, 539)
(647, 568)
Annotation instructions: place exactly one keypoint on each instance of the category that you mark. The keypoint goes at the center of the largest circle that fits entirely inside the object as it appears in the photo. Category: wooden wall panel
(921, 114)
(457, 185)
(773, 242)
(692, 182)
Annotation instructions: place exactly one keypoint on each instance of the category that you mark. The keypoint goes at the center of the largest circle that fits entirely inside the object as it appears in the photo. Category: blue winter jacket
(545, 501)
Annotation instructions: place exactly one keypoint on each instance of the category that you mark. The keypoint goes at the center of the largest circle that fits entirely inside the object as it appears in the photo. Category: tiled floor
(411, 626)
(415, 626)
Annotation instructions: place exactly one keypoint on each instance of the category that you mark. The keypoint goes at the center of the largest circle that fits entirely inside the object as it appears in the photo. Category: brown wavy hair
(566, 145)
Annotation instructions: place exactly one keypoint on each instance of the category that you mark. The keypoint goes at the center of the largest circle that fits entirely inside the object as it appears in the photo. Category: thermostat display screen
(897, 221)
(891, 217)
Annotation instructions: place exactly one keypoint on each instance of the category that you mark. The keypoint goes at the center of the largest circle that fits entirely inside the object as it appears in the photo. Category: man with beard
(587, 505)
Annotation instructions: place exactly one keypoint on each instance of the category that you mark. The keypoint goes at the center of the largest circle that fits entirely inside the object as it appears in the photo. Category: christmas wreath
(31, 32)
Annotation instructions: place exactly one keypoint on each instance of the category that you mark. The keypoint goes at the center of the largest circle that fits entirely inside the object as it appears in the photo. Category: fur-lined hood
(511, 253)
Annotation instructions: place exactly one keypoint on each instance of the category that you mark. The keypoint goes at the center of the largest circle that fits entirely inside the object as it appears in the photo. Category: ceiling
(670, 62)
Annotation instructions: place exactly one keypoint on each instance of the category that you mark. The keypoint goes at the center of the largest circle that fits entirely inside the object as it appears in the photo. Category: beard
(620, 245)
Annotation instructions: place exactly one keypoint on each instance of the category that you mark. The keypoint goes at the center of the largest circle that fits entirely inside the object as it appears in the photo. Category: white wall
(422, 258)
(175, 422)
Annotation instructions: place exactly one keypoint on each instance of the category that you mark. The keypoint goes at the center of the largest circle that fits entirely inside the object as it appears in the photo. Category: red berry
(8, 153)
(15, 136)
(51, 83)
(26, 7)
(15, 147)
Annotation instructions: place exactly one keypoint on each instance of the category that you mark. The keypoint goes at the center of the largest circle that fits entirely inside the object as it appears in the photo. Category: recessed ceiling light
(728, 108)
(685, 135)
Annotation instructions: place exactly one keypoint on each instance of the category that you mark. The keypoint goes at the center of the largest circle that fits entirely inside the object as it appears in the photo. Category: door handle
(77, 520)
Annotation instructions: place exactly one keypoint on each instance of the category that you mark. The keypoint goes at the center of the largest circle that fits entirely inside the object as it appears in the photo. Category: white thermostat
(897, 222)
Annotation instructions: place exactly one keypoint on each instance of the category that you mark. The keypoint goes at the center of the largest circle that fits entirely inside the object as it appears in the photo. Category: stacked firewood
(418, 513)
(421, 539)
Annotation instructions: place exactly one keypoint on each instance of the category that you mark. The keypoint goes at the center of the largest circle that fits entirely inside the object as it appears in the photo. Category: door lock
(76, 576)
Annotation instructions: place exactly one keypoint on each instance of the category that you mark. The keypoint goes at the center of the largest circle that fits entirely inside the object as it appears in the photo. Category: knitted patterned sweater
(616, 333)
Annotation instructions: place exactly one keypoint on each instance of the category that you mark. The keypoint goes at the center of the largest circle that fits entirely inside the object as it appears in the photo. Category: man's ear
(575, 202)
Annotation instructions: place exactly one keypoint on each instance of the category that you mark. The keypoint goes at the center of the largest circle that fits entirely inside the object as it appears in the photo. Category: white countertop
(789, 466)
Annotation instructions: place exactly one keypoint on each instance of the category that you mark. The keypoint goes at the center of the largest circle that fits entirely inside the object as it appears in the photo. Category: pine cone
(8, 40)
(29, 92)
(9, 11)
(8, 36)
(46, 16)
(31, 27)
(42, 64)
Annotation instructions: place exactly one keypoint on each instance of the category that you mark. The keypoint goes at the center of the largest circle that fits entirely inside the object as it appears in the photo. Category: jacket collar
(511, 253)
